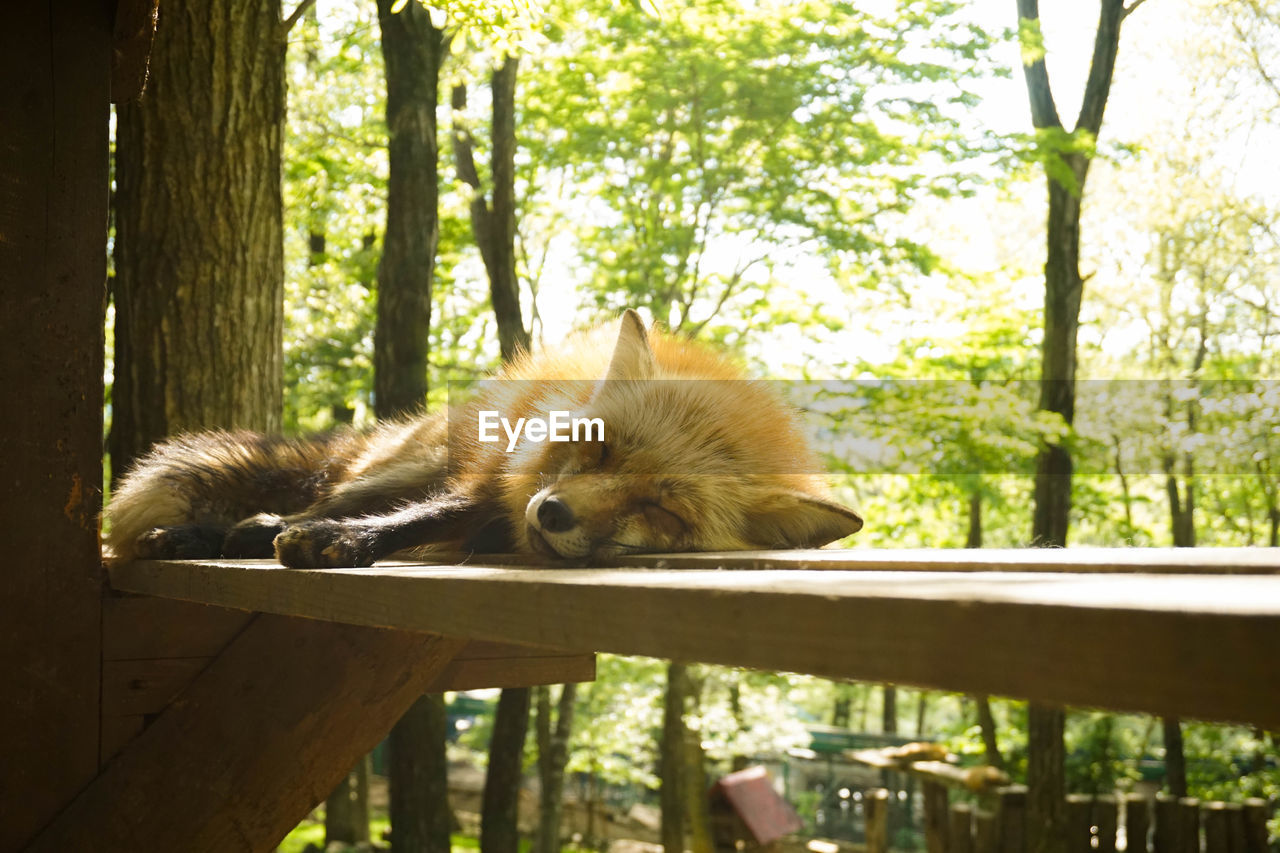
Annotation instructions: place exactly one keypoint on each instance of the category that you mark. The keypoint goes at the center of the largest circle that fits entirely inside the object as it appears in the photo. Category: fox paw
(253, 537)
(180, 542)
(323, 543)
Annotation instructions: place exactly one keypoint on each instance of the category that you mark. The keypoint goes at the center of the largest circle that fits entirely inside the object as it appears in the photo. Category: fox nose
(554, 516)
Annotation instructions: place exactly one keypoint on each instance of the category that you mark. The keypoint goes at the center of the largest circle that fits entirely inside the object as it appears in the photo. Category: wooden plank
(139, 687)
(1079, 823)
(1256, 813)
(523, 671)
(1106, 819)
(960, 829)
(1082, 559)
(1012, 817)
(1217, 832)
(1137, 823)
(255, 742)
(875, 809)
(1189, 824)
(936, 816)
(1167, 837)
(138, 627)
(55, 58)
(117, 732)
(1196, 645)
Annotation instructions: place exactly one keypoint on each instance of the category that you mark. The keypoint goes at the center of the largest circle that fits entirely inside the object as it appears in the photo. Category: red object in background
(766, 815)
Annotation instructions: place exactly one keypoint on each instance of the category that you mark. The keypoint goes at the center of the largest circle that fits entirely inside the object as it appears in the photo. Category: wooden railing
(1191, 632)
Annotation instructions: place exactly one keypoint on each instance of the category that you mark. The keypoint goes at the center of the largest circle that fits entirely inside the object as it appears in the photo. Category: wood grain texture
(1195, 646)
(55, 59)
(260, 737)
(138, 627)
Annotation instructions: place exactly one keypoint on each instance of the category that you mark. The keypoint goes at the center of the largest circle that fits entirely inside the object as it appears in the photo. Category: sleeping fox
(676, 453)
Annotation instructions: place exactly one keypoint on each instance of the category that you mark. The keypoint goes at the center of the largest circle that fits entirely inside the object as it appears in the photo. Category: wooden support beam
(257, 740)
(55, 60)
(1194, 646)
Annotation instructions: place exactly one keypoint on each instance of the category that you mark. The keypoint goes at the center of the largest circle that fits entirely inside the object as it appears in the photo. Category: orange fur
(694, 457)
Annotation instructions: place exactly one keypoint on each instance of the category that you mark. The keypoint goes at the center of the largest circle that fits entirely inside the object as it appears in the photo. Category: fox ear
(792, 519)
(632, 358)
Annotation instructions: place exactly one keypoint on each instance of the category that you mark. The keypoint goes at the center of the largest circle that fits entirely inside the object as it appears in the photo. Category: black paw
(181, 542)
(323, 543)
(253, 537)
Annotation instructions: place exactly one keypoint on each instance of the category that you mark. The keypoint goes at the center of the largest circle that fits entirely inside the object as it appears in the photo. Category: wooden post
(1079, 823)
(1189, 824)
(1236, 832)
(1012, 819)
(1137, 823)
(960, 828)
(985, 835)
(255, 742)
(55, 59)
(1217, 836)
(936, 828)
(1167, 827)
(1105, 819)
(875, 807)
(1256, 812)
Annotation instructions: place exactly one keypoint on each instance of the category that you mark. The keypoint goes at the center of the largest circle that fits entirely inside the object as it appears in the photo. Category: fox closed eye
(663, 519)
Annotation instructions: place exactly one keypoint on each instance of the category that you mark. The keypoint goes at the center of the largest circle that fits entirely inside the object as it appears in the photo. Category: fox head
(694, 458)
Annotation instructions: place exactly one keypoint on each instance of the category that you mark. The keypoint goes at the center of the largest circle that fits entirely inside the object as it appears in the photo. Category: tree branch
(1044, 113)
(1102, 67)
(298, 12)
(1131, 8)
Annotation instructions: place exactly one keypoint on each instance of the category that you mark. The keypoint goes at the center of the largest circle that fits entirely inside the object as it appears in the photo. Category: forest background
(846, 194)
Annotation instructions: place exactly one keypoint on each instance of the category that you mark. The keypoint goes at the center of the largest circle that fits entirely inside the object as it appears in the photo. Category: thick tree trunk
(498, 830)
(199, 268)
(420, 816)
(553, 754)
(671, 763)
(412, 50)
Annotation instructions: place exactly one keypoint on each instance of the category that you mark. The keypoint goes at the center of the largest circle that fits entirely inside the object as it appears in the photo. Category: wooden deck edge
(1194, 646)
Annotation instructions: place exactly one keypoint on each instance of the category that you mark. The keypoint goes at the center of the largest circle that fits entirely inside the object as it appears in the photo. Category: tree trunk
(1046, 760)
(1175, 762)
(503, 287)
(420, 816)
(922, 711)
(697, 808)
(346, 811)
(493, 223)
(889, 715)
(1066, 172)
(671, 794)
(987, 725)
(499, 832)
(973, 539)
(553, 754)
(412, 50)
(199, 257)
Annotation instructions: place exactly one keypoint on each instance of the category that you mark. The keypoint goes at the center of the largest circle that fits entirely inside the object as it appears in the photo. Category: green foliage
(709, 141)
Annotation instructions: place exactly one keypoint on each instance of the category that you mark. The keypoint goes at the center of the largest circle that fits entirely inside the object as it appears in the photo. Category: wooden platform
(1012, 623)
